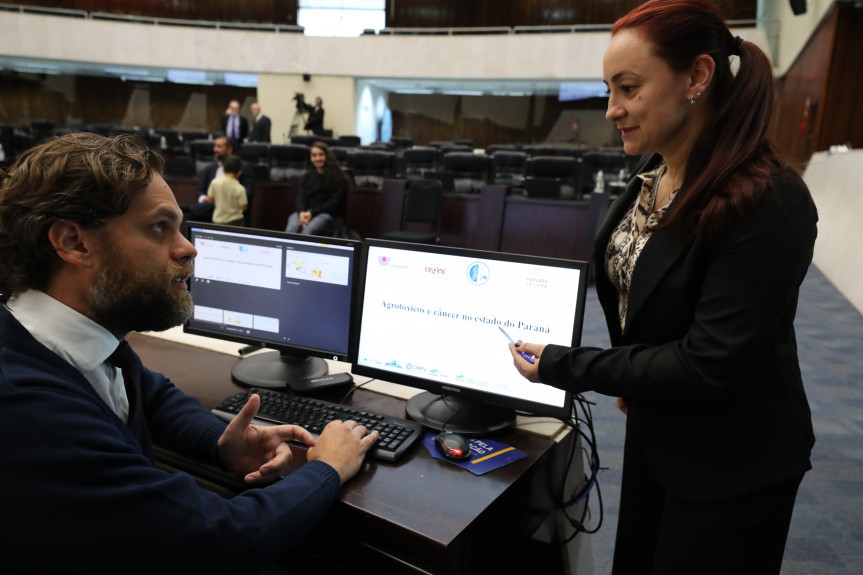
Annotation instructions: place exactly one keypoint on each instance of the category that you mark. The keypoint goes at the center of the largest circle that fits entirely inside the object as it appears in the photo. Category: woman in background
(323, 194)
(699, 265)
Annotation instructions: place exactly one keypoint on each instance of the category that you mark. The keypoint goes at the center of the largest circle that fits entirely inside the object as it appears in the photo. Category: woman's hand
(305, 218)
(529, 370)
(622, 406)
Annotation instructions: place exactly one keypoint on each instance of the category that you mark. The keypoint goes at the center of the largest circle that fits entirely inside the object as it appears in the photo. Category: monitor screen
(289, 292)
(438, 318)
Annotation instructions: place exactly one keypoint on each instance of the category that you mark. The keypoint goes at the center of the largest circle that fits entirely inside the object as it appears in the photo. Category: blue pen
(524, 355)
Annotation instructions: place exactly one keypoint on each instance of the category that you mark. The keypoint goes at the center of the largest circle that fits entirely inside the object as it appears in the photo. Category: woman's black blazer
(708, 360)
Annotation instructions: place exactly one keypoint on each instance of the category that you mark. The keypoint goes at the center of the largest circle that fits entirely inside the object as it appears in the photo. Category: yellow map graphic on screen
(299, 265)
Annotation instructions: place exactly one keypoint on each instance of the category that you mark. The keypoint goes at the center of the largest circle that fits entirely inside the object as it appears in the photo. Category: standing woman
(323, 194)
(699, 265)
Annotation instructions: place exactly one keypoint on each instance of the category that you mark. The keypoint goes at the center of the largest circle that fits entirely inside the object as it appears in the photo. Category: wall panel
(818, 102)
(75, 101)
(400, 13)
(480, 13)
(844, 123)
(271, 11)
(800, 102)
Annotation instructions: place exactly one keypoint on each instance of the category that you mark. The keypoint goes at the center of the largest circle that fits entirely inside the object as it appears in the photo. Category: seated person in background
(323, 195)
(202, 211)
(91, 249)
(228, 195)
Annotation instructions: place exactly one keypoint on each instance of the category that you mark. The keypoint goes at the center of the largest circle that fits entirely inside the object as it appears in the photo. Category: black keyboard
(278, 407)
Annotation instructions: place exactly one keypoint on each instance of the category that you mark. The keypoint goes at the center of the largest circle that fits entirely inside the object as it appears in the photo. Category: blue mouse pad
(485, 454)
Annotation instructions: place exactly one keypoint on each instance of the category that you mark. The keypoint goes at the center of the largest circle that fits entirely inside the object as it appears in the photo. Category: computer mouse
(452, 445)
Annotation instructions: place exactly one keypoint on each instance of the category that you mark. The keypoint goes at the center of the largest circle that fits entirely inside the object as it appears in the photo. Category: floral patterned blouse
(630, 236)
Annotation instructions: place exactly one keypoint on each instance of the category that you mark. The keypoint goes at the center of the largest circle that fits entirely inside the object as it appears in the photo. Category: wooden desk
(419, 515)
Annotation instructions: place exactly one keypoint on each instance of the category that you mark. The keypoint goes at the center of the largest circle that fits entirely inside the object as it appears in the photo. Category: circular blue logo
(477, 273)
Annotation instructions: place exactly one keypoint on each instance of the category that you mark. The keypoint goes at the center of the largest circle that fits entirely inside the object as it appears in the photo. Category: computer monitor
(431, 317)
(290, 292)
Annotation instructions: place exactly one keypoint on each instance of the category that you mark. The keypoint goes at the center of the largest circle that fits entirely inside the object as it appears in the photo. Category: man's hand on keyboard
(258, 451)
(343, 445)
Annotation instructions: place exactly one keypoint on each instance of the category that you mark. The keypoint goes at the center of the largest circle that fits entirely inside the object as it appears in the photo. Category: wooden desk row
(420, 515)
(490, 220)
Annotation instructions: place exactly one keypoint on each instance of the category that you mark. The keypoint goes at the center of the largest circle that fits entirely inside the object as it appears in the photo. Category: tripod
(298, 122)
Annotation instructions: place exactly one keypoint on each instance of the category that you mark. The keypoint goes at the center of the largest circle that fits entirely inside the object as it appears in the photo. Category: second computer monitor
(437, 318)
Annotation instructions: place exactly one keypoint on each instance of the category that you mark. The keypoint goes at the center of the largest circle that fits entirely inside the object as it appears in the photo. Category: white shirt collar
(62, 329)
(77, 339)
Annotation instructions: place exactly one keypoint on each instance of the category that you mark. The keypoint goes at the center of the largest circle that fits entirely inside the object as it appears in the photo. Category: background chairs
(304, 139)
(421, 214)
(420, 159)
(180, 167)
(190, 136)
(615, 165)
(255, 153)
(470, 171)
(508, 167)
(349, 141)
(201, 152)
(539, 150)
(287, 160)
(258, 155)
(371, 167)
(552, 176)
(402, 143)
(342, 154)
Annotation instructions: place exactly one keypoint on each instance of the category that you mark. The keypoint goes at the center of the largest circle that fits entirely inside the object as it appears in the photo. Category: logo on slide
(384, 260)
(477, 273)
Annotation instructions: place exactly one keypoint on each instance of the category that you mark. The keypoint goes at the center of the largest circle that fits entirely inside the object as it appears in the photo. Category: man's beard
(123, 300)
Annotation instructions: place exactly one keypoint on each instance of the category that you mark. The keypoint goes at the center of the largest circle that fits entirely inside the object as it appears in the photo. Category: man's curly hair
(85, 178)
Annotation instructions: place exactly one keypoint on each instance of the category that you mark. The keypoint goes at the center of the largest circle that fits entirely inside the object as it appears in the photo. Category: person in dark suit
(91, 248)
(234, 125)
(315, 122)
(202, 210)
(261, 126)
(699, 265)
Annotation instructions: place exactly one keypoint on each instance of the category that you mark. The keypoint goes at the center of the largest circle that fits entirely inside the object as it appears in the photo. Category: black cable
(353, 389)
(581, 424)
(445, 399)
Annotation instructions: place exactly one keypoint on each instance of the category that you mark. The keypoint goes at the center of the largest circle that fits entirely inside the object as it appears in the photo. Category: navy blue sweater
(78, 495)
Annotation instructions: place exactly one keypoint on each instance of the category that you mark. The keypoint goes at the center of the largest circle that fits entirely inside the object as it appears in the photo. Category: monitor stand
(458, 415)
(275, 370)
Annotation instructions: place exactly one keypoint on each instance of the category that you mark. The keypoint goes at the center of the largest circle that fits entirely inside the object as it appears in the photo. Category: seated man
(202, 211)
(91, 249)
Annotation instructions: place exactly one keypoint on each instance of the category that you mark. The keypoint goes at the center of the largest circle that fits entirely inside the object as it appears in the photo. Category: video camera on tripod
(299, 120)
(300, 100)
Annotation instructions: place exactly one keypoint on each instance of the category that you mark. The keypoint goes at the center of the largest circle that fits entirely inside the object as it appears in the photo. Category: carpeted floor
(826, 534)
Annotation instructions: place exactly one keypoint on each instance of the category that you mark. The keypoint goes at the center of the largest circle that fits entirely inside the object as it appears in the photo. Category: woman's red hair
(731, 161)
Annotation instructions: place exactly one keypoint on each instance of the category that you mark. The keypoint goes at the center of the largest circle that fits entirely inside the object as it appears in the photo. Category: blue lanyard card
(486, 455)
